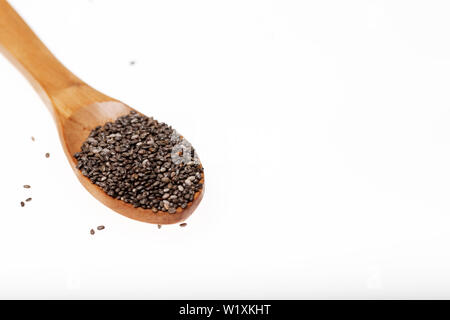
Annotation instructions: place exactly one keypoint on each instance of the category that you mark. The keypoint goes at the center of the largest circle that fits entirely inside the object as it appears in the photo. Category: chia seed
(136, 159)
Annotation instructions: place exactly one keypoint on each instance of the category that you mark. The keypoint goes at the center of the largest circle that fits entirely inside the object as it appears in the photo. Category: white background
(323, 127)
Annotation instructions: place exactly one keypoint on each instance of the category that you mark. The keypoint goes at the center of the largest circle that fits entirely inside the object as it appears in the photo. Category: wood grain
(77, 108)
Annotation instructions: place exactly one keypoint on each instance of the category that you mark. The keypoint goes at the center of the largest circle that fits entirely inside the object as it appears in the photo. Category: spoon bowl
(75, 130)
(76, 107)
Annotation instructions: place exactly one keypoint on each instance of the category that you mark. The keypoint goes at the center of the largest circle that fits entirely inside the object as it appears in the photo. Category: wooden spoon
(76, 107)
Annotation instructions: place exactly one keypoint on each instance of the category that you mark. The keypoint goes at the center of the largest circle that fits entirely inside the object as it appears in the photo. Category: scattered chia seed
(27, 186)
(136, 159)
(28, 199)
(22, 204)
(47, 155)
(159, 226)
(32, 138)
(183, 225)
(132, 63)
(100, 227)
(92, 232)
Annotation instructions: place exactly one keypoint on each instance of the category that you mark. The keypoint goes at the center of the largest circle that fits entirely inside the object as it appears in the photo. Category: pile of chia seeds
(143, 162)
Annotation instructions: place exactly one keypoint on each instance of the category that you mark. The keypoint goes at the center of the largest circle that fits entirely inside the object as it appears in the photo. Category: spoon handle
(54, 82)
